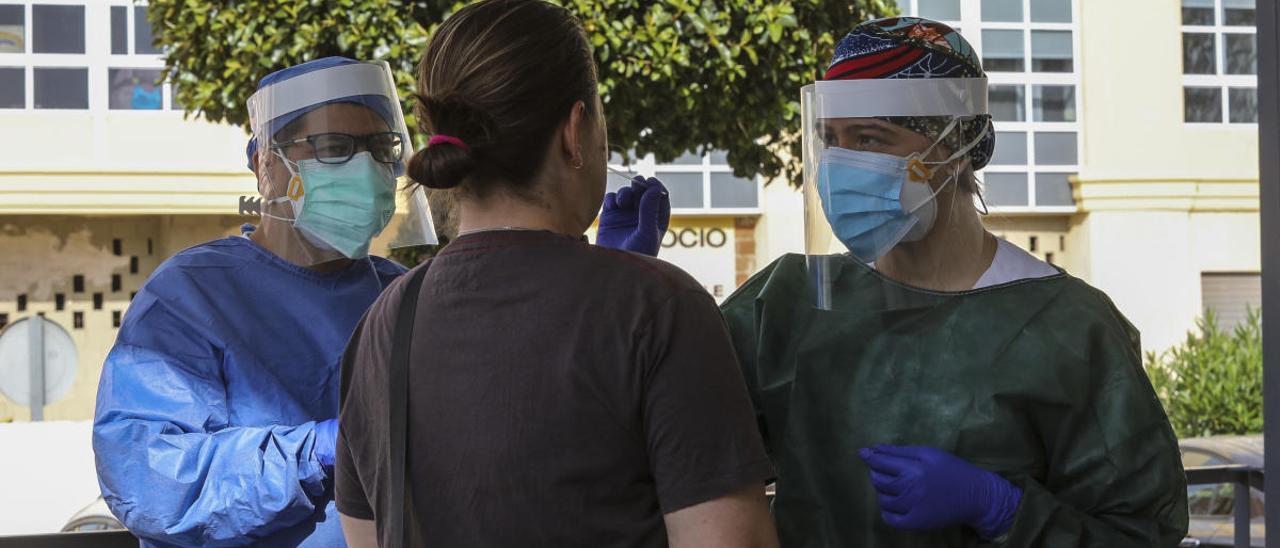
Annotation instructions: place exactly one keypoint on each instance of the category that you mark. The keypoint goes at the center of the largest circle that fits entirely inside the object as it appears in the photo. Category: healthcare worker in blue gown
(215, 421)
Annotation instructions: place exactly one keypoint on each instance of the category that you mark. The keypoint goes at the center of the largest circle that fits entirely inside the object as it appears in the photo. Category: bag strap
(400, 511)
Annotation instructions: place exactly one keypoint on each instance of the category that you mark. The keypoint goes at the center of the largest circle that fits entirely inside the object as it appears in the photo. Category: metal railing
(1242, 477)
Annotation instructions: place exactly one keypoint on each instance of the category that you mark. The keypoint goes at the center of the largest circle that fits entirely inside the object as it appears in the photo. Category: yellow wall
(1161, 201)
(1131, 93)
(120, 163)
(781, 227)
(40, 256)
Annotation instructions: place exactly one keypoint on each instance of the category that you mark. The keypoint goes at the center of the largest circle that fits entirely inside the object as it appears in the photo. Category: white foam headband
(899, 97)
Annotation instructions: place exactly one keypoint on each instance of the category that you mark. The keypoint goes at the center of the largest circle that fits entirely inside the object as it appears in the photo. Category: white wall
(47, 473)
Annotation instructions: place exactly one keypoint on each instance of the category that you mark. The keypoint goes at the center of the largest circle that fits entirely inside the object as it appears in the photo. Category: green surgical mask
(344, 206)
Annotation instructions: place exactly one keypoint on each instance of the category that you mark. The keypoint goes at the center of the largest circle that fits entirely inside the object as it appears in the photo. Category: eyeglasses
(338, 148)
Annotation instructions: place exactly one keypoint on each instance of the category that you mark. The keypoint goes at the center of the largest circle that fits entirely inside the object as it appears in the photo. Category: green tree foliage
(675, 75)
(1212, 383)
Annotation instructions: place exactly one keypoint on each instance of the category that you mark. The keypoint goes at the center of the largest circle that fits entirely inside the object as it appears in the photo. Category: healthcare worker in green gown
(920, 382)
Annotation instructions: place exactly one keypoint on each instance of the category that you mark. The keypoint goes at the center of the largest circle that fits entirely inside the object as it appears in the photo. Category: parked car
(1212, 506)
(94, 517)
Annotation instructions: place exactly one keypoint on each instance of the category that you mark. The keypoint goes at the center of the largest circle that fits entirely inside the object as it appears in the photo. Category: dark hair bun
(501, 76)
(441, 166)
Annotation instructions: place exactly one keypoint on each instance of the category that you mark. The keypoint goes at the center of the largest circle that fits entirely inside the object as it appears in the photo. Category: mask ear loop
(955, 121)
(291, 166)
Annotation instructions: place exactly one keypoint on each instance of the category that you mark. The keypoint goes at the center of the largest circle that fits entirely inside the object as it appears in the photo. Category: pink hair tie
(447, 140)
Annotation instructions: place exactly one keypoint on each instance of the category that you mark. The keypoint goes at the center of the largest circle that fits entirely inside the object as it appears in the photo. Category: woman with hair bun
(559, 393)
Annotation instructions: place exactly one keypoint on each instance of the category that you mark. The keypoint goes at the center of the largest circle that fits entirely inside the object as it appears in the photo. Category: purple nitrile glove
(326, 443)
(921, 488)
(635, 217)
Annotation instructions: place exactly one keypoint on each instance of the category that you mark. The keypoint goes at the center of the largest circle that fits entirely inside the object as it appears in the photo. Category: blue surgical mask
(343, 206)
(875, 201)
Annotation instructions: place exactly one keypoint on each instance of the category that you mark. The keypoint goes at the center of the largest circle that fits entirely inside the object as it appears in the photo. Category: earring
(580, 161)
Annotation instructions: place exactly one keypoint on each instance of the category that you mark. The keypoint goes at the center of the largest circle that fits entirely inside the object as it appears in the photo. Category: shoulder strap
(399, 512)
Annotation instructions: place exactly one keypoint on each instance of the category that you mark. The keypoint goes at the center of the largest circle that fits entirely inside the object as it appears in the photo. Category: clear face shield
(332, 148)
(864, 197)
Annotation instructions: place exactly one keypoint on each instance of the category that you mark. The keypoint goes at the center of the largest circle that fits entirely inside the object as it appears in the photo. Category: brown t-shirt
(560, 394)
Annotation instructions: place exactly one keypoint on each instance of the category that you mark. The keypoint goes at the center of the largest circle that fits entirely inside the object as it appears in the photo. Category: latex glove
(635, 217)
(922, 488)
(326, 444)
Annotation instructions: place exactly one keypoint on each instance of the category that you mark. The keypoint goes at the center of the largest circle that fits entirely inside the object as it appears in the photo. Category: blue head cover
(379, 104)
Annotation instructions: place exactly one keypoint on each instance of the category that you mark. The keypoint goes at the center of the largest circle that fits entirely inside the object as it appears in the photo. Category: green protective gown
(1040, 381)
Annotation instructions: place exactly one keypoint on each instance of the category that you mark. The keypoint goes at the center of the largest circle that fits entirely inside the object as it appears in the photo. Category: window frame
(648, 166)
(971, 19)
(1221, 80)
(97, 58)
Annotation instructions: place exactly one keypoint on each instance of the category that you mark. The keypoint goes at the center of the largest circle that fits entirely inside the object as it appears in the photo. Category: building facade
(1127, 147)
(1126, 153)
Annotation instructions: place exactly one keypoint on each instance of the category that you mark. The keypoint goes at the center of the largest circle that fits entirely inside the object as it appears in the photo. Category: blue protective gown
(207, 406)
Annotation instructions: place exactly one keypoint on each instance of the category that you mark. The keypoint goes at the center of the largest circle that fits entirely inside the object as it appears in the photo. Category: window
(728, 191)
(13, 87)
(1051, 51)
(119, 30)
(58, 51)
(1002, 51)
(1056, 148)
(135, 89)
(140, 30)
(13, 29)
(685, 188)
(1002, 11)
(61, 88)
(1243, 105)
(1219, 62)
(1053, 189)
(1202, 105)
(1028, 48)
(1005, 189)
(939, 10)
(1238, 13)
(143, 42)
(698, 183)
(1230, 296)
(1197, 12)
(1051, 11)
(1054, 103)
(57, 29)
(1199, 56)
(1242, 53)
(1007, 103)
(1011, 149)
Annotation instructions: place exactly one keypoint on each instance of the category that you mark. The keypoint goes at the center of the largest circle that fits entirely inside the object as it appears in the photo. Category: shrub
(1212, 383)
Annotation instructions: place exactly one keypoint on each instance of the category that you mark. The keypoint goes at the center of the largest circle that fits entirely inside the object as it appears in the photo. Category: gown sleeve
(1115, 474)
(170, 465)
